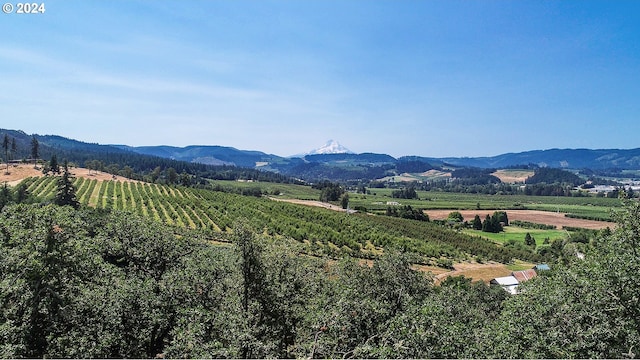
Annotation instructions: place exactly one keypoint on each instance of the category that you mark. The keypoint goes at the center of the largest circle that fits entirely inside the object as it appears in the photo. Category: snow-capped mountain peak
(331, 147)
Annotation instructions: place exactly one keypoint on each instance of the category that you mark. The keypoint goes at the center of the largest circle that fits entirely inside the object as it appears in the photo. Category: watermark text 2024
(23, 8)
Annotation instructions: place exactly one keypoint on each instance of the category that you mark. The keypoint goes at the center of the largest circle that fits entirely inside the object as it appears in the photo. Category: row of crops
(323, 231)
(169, 205)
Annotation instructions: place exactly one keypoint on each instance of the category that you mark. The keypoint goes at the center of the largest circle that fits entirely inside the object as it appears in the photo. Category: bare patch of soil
(100, 176)
(311, 203)
(17, 173)
(535, 216)
(512, 177)
(475, 271)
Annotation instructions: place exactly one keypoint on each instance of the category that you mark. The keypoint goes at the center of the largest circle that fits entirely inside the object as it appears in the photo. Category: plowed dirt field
(535, 216)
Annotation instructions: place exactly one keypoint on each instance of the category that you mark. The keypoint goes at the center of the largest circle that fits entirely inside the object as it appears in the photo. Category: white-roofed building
(509, 283)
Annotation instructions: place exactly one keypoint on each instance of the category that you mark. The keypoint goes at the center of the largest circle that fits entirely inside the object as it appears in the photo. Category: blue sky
(430, 78)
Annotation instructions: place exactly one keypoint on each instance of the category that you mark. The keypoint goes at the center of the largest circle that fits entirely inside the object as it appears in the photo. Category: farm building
(524, 275)
(508, 283)
(541, 267)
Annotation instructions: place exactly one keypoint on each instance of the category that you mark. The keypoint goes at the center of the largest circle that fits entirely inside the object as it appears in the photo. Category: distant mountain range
(556, 158)
(335, 153)
(205, 154)
(332, 161)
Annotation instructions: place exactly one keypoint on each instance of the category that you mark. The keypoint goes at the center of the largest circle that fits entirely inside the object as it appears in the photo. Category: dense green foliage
(89, 283)
(407, 212)
(314, 171)
(329, 191)
(477, 223)
(455, 216)
(495, 222)
(588, 309)
(532, 225)
(413, 166)
(408, 192)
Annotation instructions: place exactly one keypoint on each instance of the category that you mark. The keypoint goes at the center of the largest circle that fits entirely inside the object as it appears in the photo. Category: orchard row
(322, 231)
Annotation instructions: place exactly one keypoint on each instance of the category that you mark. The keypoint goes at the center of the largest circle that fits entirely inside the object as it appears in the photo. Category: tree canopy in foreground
(90, 283)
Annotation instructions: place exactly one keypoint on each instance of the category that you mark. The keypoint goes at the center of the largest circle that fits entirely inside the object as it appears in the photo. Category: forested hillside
(118, 161)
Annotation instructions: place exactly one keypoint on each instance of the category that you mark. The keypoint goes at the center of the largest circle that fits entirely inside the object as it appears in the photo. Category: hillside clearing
(513, 176)
(475, 271)
(17, 173)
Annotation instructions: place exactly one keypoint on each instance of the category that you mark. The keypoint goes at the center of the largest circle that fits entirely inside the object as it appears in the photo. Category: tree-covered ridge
(117, 161)
(474, 176)
(552, 176)
(88, 283)
(413, 166)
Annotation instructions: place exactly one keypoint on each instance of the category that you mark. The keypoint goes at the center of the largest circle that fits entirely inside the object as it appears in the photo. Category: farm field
(587, 207)
(538, 209)
(325, 232)
(517, 234)
(322, 231)
(287, 191)
(583, 207)
(534, 216)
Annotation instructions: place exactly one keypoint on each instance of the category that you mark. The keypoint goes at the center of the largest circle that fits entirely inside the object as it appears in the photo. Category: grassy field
(518, 234)
(288, 191)
(520, 265)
